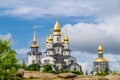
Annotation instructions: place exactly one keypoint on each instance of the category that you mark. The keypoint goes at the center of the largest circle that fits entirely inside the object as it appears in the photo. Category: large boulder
(66, 75)
(28, 76)
(20, 73)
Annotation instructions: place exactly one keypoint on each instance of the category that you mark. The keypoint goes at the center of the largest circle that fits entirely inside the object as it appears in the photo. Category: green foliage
(22, 65)
(47, 68)
(8, 60)
(114, 72)
(81, 72)
(101, 74)
(106, 72)
(33, 67)
(76, 72)
(86, 72)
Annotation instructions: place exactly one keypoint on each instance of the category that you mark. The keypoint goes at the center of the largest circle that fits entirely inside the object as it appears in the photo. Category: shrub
(76, 72)
(47, 68)
(33, 67)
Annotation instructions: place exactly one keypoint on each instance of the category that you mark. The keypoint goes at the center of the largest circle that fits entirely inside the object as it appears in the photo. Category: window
(57, 38)
(58, 50)
(33, 61)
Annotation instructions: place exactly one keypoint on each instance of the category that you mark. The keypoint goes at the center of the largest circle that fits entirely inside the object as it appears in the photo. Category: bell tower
(34, 54)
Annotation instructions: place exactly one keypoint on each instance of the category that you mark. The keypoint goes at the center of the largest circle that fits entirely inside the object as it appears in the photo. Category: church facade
(57, 52)
(100, 63)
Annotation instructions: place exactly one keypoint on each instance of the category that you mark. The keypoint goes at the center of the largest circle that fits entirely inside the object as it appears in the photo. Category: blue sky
(87, 22)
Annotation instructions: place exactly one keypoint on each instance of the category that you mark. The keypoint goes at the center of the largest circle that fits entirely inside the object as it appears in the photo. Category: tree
(81, 72)
(33, 67)
(8, 60)
(86, 72)
(106, 70)
(47, 68)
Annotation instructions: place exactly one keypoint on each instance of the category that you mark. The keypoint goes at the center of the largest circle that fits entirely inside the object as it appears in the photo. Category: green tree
(22, 65)
(106, 70)
(47, 68)
(33, 67)
(81, 72)
(86, 72)
(8, 60)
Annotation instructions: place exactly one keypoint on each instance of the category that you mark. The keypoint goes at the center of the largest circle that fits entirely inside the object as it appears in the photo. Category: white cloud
(39, 8)
(7, 36)
(84, 66)
(86, 36)
(22, 51)
(86, 60)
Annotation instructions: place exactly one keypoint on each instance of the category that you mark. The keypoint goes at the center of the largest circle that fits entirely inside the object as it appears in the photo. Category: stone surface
(20, 73)
(67, 75)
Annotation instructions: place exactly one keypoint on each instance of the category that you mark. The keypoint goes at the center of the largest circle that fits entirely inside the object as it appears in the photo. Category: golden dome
(57, 29)
(63, 41)
(47, 41)
(100, 49)
(50, 39)
(66, 39)
(100, 60)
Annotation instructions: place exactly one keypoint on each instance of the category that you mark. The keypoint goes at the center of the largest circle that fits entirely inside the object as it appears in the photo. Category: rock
(20, 73)
(67, 75)
(102, 78)
(28, 76)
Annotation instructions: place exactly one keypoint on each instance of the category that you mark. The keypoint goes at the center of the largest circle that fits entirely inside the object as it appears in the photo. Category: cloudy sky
(87, 21)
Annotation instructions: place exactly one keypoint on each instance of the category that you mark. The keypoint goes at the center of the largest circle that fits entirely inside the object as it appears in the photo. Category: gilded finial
(66, 32)
(100, 48)
(34, 39)
(57, 29)
(51, 31)
(56, 17)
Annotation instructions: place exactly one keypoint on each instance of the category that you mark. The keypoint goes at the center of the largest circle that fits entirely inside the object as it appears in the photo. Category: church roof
(57, 29)
(100, 60)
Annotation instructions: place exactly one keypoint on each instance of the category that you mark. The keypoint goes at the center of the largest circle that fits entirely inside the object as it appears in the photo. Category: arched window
(57, 38)
(58, 50)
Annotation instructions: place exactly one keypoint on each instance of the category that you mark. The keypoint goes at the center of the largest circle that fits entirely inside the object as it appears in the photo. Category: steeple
(34, 39)
(57, 29)
(66, 39)
(100, 54)
(100, 49)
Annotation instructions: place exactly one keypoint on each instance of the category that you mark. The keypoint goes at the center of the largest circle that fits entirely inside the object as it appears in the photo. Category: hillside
(36, 75)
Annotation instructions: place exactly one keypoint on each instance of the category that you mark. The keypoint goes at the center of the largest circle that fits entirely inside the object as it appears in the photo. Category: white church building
(57, 52)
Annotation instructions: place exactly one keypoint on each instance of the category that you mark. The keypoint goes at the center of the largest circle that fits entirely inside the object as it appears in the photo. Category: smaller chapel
(100, 63)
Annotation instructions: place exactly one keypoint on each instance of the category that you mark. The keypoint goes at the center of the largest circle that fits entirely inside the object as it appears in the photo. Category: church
(100, 63)
(57, 53)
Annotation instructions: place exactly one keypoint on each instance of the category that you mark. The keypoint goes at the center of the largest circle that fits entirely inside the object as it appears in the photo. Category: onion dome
(50, 39)
(63, 41)
(66, 40)
(57, 29)
(100, 49)
(100, 60)
(47, 41)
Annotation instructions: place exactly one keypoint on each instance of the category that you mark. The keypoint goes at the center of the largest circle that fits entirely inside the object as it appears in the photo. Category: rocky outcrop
(67, 75)
(20, 73)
